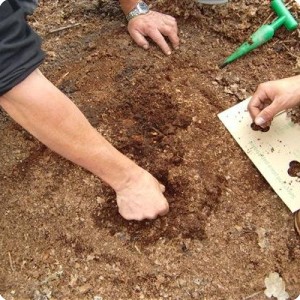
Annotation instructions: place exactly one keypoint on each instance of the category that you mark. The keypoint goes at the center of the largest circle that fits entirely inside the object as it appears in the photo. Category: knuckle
(152, 216)
(151, 30)
(135, 218)
(168, 30)
(171, 18)
(126, 215)
(263, 86)
(165, 207)
(173, 22)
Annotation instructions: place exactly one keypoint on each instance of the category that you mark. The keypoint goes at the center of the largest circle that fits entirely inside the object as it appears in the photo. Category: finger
(266, 116)
(132, 217)
(258, 101)
(158, 38)
(160, 214)
(139, 39)
(151, 217)
(172, 35)
(172, 31)
(165, 210)
(162, 188)
(170, 18)
(174, 39)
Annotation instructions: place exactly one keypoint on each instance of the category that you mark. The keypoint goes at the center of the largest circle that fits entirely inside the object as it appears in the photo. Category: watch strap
(141, 8)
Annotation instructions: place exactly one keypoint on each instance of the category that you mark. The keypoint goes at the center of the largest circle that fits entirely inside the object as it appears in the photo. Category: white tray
(271, 152)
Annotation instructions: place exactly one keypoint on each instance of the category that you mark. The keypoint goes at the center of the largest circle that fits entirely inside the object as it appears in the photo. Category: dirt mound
(61, 235)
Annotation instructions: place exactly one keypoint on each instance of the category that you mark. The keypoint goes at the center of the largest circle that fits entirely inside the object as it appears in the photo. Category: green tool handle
(258, 38)
(280, 9)
(265, 32)
(278, 22)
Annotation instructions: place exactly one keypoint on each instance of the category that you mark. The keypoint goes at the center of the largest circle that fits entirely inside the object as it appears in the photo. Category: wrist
(131, 176)
(128, 6)
(134, 8)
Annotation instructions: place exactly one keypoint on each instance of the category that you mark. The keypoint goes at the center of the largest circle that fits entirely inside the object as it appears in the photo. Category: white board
(271, 152)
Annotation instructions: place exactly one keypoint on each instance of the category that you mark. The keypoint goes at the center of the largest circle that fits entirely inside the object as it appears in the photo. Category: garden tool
(265, 32)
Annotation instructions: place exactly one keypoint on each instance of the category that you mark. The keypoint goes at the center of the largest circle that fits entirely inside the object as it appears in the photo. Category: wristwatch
(141, 8)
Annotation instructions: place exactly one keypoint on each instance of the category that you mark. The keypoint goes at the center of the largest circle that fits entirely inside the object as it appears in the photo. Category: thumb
(267, 114)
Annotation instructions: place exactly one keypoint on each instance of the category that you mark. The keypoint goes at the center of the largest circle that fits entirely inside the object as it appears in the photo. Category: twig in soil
(162, 134)
(10, 262)
(288, 4)
(158, 131)
(288, 50)
(158, 56)
(288, 41)
(253, 295)
(137, 249)
(268, 18)
(60, 80)
(64, 28)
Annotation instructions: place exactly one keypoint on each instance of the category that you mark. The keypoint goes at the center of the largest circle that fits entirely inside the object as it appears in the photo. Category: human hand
(142, 198)
(154, 25)
(272, 97)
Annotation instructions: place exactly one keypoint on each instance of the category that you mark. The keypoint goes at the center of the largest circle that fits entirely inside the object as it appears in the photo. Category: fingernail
(260, 121)
(146, 47)
(169, 53)
(176, 48)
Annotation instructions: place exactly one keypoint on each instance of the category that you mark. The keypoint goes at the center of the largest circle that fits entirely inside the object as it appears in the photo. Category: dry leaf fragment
(275, 287)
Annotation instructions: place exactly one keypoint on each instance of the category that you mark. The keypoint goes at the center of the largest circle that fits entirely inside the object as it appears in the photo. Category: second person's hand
(272, 97)
(156, 26)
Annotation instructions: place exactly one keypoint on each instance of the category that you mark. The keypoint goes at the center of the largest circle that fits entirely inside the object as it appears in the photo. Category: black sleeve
(28, 5)
(20, 46)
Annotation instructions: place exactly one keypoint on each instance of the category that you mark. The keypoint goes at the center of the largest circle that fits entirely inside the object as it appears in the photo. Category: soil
(259, 128)
(294, 169)
(61, 235)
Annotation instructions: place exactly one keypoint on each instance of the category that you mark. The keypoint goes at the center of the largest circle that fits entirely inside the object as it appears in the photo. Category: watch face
(143, 7)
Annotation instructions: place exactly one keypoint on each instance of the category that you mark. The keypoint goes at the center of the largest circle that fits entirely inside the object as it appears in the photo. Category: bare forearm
(128, 5)
(53, 119)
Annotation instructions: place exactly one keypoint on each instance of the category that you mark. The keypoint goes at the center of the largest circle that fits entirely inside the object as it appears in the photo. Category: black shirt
(20, 46)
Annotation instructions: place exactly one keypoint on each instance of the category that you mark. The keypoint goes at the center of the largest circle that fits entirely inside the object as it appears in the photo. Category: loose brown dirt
(61, 235)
